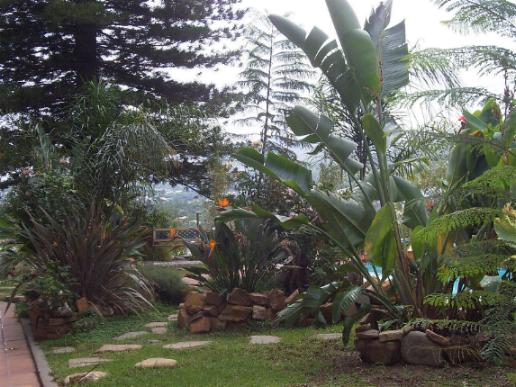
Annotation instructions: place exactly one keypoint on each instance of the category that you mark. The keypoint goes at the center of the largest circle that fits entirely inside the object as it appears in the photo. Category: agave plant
(364, 66)
(86, 252)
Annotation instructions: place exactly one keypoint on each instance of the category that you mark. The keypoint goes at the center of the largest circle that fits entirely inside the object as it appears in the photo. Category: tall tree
(277, 75)
(49, 48)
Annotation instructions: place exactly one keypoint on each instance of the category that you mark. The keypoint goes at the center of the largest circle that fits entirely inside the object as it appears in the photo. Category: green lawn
(299, 360)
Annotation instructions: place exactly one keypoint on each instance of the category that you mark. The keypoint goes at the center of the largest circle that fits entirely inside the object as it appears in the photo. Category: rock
(235, 313)
(394, 335)
(215, 299)
(377, 352)
(362, 328)
(118, 348)
(210, 310)
(156, 325)
(172, 317)
(371, 334)
(239, 297)
(328, 336)
(60, 350)
(200, 325)
(276, 299)
(159, 330)
(86, 362)
(63, 312)
(131, 335)
(216, 324)
(437, 338)
(187, 345)
(418, 349)
(327, 311)
(156, 362)
(407, 329)
(264, 339)
(293, 296)
(259, 299)
(84, 377)
(261, 313)
(194, 299)
(183, 319)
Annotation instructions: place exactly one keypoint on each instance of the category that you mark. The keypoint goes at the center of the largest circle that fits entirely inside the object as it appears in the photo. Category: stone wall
(206, 312)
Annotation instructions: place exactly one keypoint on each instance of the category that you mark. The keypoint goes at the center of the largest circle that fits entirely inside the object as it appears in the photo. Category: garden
(342, 212)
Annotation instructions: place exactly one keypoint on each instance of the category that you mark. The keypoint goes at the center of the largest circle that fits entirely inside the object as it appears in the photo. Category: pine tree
(49, 48)
(277, 76)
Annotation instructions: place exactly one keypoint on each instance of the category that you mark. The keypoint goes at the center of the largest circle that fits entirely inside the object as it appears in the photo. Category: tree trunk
(85, 61)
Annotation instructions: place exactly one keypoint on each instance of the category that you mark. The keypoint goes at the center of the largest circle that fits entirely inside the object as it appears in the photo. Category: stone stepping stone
(156, 362)
(329, 336)
(84, 377)
(154, 341)
(156, 324)
(172, 317)
(86, 362)
(187, 344)
(159, 330)
(265, 339)
(60, 350)
(118, 348)
(131, 335)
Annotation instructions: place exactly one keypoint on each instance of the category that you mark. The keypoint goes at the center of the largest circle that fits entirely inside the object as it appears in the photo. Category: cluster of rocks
(415, 347)
(49, 323)
(210, 311)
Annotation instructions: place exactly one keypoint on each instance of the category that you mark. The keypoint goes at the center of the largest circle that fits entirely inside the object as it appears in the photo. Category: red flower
(463, 120)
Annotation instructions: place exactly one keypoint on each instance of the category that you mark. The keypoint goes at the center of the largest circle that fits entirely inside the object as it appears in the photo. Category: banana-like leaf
(343, 17)
(292, 31)
(378, 22)
(414, 213)
(379, 240)
(375, 132)
(317, 129)
(350, 321)
(286, 222)
(344, 300)
(289, 172)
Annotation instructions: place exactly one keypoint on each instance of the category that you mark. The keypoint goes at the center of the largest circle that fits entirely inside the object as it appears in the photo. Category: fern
(471, 300)
(473, 266)
(448, 326)
(496, 180)
(457, 220)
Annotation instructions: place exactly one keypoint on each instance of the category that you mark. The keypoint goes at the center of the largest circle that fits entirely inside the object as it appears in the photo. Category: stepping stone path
(156, 362)
(187, 344)
(60, 350)
(265, 339)
(131, 335)
(156, 325)
(159, 330)
(84, 377)
(118, 348)
(329, 336)
(172, 317)
(86, 362)
(154, 341)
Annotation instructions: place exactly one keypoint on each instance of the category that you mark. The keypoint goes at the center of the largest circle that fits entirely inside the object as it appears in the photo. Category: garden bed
(300, 359)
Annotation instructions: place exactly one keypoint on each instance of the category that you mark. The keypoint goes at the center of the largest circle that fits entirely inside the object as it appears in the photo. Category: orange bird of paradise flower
(212, 245)
(223, 202)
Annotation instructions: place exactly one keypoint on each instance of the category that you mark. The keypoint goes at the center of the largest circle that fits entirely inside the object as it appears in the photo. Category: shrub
(167, 283)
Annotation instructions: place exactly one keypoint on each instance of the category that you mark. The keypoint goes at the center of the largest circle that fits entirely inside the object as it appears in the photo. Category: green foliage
(472, 300)
(168, 283)
(449, 326)
(240, 255)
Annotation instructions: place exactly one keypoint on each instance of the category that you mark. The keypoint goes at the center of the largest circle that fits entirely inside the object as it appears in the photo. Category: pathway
(17, 368)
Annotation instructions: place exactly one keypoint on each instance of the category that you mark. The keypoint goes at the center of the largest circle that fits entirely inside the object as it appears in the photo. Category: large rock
(200, 325)
(259, 299)
(394, 335)
(376, 352)
(82, 377)
(261, 313)
(156, 362)
(371, 334)
(211, 310)
(194, 299)
(239, 297)
(418, 349)
(276, 300)
(215, 299)
(236, 313)
(217, 325)
(183, 318)
(437, 338)
(293, 297)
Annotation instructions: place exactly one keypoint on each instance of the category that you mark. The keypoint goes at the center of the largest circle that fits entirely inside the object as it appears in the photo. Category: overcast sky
(423, 22)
